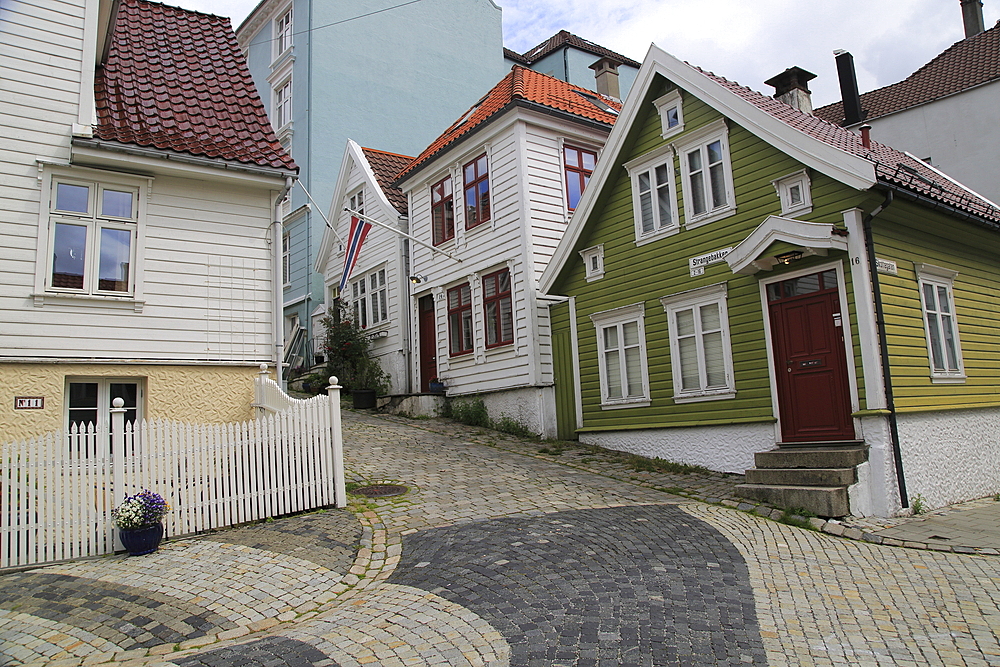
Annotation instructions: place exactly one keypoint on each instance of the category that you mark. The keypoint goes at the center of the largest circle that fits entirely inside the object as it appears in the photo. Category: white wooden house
(518, 160)
(377, 291)
(140, 179)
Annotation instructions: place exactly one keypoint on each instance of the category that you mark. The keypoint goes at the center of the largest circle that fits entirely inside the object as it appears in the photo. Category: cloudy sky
(745, 40)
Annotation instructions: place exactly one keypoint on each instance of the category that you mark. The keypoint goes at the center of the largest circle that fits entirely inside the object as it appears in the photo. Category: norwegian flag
(359, 230)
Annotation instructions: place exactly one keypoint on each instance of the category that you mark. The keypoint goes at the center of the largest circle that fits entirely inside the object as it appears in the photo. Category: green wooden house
(750, 288)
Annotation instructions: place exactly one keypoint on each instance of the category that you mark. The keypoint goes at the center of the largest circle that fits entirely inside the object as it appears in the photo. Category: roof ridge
(377, 150)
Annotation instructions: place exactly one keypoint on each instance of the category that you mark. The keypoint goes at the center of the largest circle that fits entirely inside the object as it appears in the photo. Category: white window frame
(699, 140)
(370, 292)
(693, 300)
(938, 277)
(286, 258)
(671, 101)
(647, 165)
(97, 180)
(356, 202)
(785, 185)
(282, 105)
(283, 31)
(593, 262)
(616, 318)
(104, 397)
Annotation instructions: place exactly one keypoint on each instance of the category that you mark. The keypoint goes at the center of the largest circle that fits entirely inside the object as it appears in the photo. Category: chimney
(606, 74)
(972, 16)
(853, 113)
(790, 88)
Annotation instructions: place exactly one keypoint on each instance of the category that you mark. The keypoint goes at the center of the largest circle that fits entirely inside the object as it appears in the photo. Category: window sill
(595, 276)
(710, 217)
(649, 238)
(58, 298)
(697, 397)
(280, 59)
(948, 379)
(499, 347)
(631, 403)
(801, 210)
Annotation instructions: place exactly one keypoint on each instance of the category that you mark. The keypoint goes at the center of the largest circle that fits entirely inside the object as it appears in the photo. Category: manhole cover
(380, 490)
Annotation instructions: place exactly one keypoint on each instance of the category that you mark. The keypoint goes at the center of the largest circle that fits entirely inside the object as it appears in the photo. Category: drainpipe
(276, 260)
(883, 346)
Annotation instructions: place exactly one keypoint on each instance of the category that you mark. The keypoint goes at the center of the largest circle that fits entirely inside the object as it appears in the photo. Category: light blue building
(389, 78)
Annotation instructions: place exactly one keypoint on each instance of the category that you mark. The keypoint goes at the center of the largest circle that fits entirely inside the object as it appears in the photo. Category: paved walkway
(503, 555)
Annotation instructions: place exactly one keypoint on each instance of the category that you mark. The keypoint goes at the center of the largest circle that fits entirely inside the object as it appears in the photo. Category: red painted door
(810, 363)
(428, 341)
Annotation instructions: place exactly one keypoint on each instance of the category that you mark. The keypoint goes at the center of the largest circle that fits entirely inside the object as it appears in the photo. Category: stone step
(802, 476)
(823, 501)
(813, 457)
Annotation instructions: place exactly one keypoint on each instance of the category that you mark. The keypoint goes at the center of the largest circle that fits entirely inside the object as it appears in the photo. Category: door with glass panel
(810, 362)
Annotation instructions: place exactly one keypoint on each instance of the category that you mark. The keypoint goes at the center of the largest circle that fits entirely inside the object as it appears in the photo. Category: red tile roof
(891, 166)
(966, 64)
(523, 87)
(176, 80)
(566, 38)
(386, 166)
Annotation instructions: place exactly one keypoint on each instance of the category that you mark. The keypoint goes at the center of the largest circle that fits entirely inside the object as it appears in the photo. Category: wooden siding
(659, 268)
(907, 234)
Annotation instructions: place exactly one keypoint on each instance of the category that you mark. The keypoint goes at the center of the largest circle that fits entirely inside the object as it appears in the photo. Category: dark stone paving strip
(267, 652)
(127, 616)
(329, 538)
(626, 586)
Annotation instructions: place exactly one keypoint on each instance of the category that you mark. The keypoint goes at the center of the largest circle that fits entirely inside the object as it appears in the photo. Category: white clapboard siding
(57, 490)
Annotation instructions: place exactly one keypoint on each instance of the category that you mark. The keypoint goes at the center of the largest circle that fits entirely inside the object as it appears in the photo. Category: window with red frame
(477, 192)
(579, 166)
(442, 211)
(498, 309)
(460, 319)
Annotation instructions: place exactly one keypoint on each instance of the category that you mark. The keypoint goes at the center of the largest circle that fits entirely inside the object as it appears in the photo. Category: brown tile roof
(176, 80)
(515, 56)
(891, 166)
(966, 64)
(386, 166)
(564, 38)
(528, 88)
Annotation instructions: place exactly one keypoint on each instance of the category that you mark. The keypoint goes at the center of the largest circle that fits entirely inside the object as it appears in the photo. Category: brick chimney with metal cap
(972, 17)
(606, 74)
(790, 88)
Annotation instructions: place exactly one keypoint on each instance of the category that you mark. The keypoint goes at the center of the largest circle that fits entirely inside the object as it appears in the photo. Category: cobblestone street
(501, 555)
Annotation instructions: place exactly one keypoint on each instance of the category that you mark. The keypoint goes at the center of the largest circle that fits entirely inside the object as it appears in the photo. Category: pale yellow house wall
(199, 394)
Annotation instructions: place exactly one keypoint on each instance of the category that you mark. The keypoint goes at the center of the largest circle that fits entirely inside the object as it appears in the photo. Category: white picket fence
(57, 490)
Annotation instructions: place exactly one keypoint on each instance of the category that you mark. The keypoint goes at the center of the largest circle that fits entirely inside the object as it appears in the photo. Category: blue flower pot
(141, 541)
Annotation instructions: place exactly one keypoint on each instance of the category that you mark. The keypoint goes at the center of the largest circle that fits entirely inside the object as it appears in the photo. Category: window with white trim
(707, 174)
(370, 299)
(286, 258)
(283, 33)
(654, 199)
(621, 351)
(93, 232)
(460, 334)
(700, 351)
(937, 299)
(579, 164)
(671, 113)
(795, 193)
(356, 202)
(89, 400)
(282, 104)
(593, 261)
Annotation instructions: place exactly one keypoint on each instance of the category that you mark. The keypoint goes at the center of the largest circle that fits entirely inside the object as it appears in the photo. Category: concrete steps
(811, 476)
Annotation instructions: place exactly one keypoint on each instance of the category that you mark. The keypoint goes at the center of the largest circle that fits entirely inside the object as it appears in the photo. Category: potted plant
(139, 520)
(436, 386)
(349, 357)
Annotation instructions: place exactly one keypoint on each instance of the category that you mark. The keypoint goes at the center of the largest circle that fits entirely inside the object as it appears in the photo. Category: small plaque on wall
(29, 402)
(886, 266)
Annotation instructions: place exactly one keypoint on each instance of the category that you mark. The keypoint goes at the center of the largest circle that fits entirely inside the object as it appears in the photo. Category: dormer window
(593, 261)
(795, 193)
(671, 113)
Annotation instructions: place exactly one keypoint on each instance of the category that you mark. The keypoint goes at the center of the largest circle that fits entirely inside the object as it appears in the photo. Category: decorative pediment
(814, 238)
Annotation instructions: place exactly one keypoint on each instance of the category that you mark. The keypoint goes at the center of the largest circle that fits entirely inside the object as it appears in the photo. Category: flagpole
(362, 216)
(325, 219)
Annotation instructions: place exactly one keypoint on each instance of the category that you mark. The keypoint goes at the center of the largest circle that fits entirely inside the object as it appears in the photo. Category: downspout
(277, 287)
(883, 346)
(566, 64)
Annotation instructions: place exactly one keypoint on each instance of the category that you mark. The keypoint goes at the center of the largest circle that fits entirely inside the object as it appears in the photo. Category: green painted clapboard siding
(908, 234)
(646, 273)
(562, 368)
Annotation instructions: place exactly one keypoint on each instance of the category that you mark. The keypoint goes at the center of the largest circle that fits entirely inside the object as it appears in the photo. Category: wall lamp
(418, 278)
(789, 257)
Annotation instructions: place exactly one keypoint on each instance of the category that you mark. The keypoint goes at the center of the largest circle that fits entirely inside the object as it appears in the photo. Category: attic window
(671, 114)
(597, 102)
(795, 193)
(468, 114)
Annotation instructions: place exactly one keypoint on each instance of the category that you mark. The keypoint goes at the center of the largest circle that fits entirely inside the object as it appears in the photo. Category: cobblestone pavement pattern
(495, 558)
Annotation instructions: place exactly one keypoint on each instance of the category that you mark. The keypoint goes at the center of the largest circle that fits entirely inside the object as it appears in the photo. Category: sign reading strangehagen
(697, 264)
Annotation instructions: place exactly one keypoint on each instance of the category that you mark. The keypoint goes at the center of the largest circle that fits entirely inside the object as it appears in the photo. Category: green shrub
(349, 354)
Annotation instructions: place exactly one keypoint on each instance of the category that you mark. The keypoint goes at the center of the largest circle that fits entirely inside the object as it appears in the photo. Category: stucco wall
(532, 407)
(201, 393)
(951, 456)
(727, 448)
